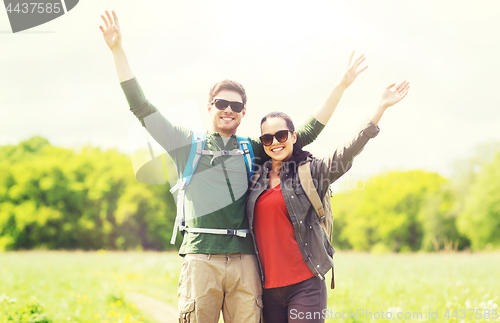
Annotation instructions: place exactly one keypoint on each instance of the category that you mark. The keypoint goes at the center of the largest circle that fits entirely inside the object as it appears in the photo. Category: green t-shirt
(215, 197)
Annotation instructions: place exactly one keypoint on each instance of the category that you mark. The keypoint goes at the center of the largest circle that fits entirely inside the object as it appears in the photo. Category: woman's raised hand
(352, 70)
(393, 94)
(111, 32)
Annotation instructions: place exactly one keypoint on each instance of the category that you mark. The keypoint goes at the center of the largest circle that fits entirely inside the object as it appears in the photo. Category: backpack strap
(311, 192)
(248, 155)
(197, 144)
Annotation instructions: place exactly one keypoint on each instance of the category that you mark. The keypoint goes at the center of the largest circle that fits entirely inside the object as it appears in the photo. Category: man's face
(226, 121)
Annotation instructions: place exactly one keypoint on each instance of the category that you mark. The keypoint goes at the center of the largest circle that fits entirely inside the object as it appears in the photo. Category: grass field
(90, 286)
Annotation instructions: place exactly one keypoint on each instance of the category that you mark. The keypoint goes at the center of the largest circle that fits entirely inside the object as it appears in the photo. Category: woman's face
(278, 150)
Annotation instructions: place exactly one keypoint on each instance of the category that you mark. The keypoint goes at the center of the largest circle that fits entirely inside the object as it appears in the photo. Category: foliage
(480, 220)
(11, 311)
(384, 214)
(54, 198)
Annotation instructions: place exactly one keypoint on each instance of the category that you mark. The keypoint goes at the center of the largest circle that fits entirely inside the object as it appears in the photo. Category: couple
(279, 238)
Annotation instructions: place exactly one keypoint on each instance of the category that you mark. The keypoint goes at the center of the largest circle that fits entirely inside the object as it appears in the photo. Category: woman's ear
(294, 137)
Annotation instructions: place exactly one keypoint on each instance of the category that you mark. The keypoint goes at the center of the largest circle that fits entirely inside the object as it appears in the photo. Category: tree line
(58, 198)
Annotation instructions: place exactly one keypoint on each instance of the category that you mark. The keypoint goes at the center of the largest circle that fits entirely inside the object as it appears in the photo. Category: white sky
(58, 80)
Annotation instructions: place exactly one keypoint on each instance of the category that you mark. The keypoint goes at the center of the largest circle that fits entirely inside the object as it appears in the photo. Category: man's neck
(223, 133)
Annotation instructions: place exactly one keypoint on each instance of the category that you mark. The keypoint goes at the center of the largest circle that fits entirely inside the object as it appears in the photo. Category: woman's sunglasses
(222, 105)
(281, 136)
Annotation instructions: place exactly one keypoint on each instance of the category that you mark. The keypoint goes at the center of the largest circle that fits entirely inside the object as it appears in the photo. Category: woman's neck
(276, 166)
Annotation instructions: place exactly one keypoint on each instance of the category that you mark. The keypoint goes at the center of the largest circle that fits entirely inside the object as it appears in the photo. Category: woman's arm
(340, 161)
(324, 113)
(310, 130)
(113, 37)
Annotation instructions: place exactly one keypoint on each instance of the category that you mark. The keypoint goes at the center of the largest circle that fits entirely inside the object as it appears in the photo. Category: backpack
(323, 209)
(197, 150)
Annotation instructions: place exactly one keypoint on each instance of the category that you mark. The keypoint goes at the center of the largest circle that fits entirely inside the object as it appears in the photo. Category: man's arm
(308, 132)
(174, 139)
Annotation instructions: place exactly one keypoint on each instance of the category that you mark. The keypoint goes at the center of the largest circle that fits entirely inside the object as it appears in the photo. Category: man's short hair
(229, 86)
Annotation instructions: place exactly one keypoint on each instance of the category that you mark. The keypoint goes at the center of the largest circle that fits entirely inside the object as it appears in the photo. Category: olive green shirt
(215, 197)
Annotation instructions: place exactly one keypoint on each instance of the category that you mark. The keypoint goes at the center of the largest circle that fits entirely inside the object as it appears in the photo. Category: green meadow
(58, 286)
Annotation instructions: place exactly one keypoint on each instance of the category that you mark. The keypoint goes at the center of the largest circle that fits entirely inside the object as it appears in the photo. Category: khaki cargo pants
(209, 283)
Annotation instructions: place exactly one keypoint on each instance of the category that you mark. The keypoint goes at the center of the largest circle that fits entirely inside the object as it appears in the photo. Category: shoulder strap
(245, 145)
(197, 144)
(311, 192)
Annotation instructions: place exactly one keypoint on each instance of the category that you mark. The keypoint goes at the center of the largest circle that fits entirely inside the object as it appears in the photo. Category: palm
(393, 94)
(111, 31)
(352, 70)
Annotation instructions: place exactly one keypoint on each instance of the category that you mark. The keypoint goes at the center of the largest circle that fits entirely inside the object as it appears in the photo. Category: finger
(101, 28)
(388, 87)
(360, 71)
(400, 85)
(359, 62)
(405, 87)
(117, 31)
(350, 59)
(402, 96)
(115, 18)
(105, 21)
(359, 57)
(111, 22)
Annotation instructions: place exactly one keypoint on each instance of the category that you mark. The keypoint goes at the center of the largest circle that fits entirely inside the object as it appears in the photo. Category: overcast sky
(58, 80)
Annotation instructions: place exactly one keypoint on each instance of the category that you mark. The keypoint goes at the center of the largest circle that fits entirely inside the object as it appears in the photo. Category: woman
(293, 251)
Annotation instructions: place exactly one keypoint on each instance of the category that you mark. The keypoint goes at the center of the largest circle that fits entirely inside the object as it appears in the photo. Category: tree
(384, 215)
(480, 220)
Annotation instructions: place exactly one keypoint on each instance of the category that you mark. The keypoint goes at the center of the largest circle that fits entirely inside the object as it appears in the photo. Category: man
(220, 269)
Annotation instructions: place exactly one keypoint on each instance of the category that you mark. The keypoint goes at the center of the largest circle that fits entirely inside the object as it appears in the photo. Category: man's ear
(243, 112)
(209, 107)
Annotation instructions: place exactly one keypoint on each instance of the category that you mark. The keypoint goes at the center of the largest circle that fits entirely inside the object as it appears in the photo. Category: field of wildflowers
(92, 286)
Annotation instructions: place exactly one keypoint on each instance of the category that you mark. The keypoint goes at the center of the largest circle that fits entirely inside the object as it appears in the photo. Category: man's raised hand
(111, 32)
(352, 70)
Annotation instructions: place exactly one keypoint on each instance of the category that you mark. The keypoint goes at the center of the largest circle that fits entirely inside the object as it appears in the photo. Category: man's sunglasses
(222, 105)
(281, 136)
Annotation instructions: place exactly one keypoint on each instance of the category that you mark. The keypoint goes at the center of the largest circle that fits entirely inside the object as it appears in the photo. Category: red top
(279, 252)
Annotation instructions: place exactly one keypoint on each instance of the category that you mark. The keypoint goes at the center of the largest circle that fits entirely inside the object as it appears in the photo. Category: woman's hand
(352, 70)
(393, 94)
(111, 33)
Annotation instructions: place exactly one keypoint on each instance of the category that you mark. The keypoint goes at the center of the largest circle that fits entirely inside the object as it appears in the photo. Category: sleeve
(333, 166)
(258, 151)
(176, 140)
(309, 131)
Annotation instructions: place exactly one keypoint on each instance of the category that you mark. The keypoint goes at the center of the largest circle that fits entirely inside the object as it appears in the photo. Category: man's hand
(352, 70)
(393, 95)
(111, 33)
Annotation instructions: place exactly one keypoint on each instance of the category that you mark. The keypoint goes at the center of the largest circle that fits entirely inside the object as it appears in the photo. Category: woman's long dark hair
(298, 155)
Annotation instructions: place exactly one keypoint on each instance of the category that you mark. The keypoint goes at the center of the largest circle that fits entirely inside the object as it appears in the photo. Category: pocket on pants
(186, 311)
(258, 307)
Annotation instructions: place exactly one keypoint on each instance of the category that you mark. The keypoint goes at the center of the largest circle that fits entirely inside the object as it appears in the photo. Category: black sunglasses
(222, 105)
(281, 136)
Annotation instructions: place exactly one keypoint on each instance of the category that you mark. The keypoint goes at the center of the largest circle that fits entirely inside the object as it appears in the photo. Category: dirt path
(161, 312)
